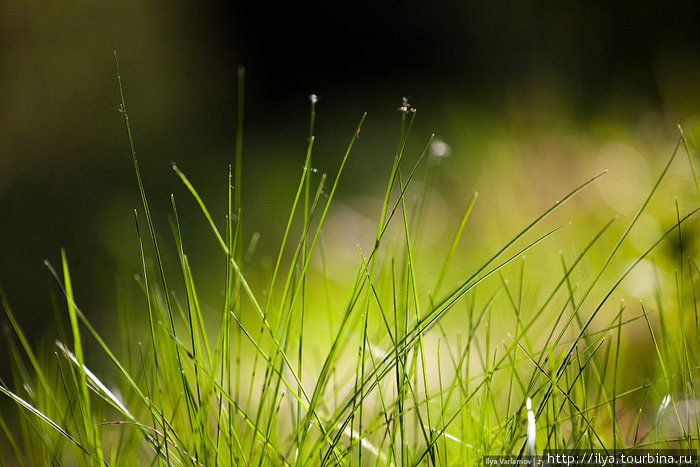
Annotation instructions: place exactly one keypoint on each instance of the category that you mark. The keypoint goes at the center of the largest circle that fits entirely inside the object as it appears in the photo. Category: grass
(290, 368)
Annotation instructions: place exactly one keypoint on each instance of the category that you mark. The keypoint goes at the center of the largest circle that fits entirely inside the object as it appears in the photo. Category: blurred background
(523, 94)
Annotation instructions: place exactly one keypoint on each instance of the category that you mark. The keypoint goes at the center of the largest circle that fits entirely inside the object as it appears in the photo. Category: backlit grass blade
(90, 428)
(43, 418)
(149, 220)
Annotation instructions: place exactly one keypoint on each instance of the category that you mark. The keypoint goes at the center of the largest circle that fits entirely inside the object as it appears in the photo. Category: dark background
(66, 178)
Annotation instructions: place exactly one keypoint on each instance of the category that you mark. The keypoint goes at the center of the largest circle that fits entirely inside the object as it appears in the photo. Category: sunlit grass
(401, 364)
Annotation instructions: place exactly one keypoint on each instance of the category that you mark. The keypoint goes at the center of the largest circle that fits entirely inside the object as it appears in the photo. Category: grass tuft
(295, 365)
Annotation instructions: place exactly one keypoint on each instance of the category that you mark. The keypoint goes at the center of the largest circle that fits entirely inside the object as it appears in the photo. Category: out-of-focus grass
(403, 324)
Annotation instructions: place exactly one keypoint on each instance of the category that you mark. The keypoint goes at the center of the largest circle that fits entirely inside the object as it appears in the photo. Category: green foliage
(401, 374)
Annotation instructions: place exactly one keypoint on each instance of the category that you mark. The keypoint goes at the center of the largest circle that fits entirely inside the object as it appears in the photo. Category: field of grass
(416, 338)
